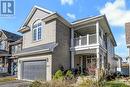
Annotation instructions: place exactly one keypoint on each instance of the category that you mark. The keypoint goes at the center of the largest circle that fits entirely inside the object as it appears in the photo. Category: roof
(11, 36)
(59, 17)
(96, 18)
(85, 19)
(46, 19)
(38, 49)
(33, 11)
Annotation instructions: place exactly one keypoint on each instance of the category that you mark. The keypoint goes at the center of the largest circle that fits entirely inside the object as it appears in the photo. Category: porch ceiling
(87, 30)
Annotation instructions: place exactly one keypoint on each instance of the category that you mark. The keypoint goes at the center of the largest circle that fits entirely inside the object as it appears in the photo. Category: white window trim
(38, 21)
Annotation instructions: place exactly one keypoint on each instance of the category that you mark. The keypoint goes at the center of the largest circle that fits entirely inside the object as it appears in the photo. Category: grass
(59, 83)
(6, 79)
(115, 84)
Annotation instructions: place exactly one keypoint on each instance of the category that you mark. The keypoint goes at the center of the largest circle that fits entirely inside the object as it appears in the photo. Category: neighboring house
(50, 42)
(125, 68)
(15, 47)
(127, 30)
(118, 63)
(5, 51)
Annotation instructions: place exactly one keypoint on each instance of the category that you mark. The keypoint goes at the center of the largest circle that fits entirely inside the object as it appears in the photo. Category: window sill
(34, 41)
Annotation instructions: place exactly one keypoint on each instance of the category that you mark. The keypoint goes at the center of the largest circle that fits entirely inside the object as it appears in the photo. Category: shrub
(88, 82)
(110, 77)
(69, 75)
(36, 84)
(58, 75)
(53, 83)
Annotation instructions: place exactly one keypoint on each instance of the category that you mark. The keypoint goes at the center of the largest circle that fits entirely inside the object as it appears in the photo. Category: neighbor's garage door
(34, 70)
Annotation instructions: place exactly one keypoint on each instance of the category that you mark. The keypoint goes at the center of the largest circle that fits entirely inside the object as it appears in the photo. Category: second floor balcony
(89, 39)
(89, 35)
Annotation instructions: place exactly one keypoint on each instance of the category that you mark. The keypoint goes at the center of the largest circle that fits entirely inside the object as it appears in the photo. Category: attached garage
(35, 63)
(34, 70)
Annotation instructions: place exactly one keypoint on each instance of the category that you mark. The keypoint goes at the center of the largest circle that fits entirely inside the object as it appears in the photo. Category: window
(37, 30)
(13, 49)
(19, 48)
(2, 45)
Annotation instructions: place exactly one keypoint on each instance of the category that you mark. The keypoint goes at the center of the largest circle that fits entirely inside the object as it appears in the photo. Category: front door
(91, 64)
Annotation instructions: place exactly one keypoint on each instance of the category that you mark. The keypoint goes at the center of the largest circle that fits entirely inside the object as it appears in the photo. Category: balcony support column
(87, 39)
(97, 31)
(80, 37)
(81, 64)
(72, 46)
(97, 64)
(103, 65)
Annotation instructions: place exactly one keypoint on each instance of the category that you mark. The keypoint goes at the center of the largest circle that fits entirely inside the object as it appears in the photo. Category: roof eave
(115, 44)
(87, 19)
(56, 16)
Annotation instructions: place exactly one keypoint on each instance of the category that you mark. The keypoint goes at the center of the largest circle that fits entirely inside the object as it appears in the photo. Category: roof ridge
(43, 9)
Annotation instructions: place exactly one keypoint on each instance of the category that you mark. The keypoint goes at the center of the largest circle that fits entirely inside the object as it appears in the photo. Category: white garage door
(34, 70)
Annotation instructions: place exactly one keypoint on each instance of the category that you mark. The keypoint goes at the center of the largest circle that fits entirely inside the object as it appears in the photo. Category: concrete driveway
(17, 83)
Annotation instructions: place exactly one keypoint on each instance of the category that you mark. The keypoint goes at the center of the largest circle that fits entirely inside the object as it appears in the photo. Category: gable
(2, 36)
(43, 12)
(37, 15)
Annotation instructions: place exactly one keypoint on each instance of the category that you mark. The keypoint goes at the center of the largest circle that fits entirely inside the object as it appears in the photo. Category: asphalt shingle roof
(39, 47)
(11, 36)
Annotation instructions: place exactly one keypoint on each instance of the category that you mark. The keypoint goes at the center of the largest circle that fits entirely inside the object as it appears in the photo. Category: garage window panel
(34, 70)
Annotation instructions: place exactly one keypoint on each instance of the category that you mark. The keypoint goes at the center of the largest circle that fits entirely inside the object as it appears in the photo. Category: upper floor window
(37, 30)
(13, 49)
(16, 48)
(2, 45)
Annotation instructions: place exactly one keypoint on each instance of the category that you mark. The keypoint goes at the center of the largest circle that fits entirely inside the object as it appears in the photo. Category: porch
(4, 63)
(90, 61)
(88, 47)
(87, 63)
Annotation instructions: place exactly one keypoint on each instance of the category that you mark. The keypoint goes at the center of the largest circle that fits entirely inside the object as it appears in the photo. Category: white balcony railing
(85, 40)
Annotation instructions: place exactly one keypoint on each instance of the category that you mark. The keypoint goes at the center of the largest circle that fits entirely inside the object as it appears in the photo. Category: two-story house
(49, 42)
(5, 51)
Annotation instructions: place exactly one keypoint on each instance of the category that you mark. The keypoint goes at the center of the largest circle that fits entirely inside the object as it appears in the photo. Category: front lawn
(6, 79)
(115, 84)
